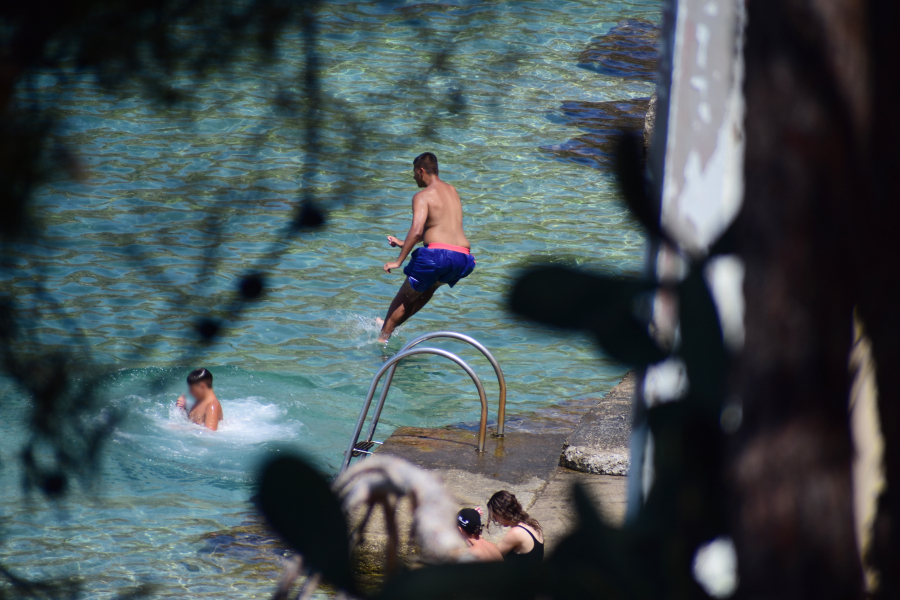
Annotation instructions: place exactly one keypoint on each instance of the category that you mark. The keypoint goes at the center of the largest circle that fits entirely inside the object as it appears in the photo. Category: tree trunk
(876, 235)
(789, 464)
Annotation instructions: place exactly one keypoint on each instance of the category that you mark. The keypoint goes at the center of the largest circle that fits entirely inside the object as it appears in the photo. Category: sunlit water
(128, 245)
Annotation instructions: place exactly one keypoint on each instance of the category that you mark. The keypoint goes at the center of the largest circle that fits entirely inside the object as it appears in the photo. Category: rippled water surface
(131, 258)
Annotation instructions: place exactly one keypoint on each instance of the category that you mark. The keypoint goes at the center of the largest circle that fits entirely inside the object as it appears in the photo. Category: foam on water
(160, 430)
(363, 327)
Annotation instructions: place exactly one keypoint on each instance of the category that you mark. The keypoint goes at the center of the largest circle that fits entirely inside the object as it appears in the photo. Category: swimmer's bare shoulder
(213, 415)
(422, 199)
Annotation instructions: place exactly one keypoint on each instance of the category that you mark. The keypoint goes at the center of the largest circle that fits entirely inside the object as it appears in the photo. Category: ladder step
(363, 448)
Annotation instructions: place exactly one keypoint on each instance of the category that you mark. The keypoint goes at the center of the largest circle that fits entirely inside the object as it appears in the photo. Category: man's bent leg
(406, 303)
(423, 299)
(399, 311)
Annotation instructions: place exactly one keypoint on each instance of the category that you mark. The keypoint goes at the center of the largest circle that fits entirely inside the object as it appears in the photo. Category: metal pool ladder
(359, 448)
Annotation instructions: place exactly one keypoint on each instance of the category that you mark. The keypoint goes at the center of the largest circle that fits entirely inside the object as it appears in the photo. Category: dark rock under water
(601, 122)
(630, 49)
(253, 541)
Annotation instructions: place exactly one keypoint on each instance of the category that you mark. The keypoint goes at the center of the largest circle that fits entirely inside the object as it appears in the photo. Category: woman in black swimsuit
(524, 543)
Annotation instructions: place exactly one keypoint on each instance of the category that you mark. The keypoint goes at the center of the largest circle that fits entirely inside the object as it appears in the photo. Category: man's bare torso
(207, 412)
(444, 224)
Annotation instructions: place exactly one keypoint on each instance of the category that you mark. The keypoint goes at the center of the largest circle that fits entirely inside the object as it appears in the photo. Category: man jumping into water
(437, 221)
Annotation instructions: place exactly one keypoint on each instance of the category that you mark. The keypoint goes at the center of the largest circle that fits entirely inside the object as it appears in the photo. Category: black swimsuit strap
(529, 533)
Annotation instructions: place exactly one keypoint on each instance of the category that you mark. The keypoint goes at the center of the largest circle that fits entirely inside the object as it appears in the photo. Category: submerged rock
(252, 541)
(423, 7)
(601, 121)
(630, 49)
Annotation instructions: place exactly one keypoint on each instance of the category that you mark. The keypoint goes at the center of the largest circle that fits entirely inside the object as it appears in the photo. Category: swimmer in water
(446, 258)
(206, 410)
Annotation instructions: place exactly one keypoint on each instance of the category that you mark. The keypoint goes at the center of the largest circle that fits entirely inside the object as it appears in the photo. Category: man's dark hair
(200, 375)
(427, 161)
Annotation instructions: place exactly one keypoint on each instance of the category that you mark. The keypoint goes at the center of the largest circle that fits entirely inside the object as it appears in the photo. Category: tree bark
(789, 464)
(875, 231)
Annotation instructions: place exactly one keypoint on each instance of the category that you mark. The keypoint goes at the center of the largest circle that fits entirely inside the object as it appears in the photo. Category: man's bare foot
(381, 339)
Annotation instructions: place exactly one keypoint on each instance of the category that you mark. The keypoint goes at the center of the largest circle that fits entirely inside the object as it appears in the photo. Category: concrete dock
(526, 462)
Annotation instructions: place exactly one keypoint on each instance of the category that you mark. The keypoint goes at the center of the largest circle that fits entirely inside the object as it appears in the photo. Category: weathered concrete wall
(600, 443)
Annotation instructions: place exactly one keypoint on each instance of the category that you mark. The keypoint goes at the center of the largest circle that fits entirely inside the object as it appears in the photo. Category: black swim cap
(469, 520)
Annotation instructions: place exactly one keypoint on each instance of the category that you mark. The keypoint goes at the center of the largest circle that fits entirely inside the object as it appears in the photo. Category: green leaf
(469, 581)
(573, 299)
(628, 163)
(629, 166)
(299, 504)
(601, 561)
(702, 344)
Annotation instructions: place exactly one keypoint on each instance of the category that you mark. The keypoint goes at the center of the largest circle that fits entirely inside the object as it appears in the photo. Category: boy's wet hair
(200, 375)
(427, 161)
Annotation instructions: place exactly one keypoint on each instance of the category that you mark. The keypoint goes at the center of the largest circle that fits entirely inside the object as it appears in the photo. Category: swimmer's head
(469, 522)
(424, 167)
(199, 383)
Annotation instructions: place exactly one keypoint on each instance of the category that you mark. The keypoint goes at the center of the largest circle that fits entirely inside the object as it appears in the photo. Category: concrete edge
(589, 460)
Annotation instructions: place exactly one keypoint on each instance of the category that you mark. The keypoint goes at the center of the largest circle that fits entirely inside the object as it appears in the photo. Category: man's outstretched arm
(420, 215)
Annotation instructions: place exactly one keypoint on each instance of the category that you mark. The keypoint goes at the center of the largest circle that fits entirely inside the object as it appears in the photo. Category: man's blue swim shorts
(428, 266)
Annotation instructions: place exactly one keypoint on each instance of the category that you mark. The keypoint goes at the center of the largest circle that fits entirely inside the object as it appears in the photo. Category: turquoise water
(130, 258)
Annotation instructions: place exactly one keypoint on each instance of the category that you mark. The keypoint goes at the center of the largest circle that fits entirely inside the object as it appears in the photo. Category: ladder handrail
(482, 431)
(501, 412)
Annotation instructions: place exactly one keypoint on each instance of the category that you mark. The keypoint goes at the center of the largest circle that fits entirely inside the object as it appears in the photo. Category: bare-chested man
(206, 409)
(437, 221)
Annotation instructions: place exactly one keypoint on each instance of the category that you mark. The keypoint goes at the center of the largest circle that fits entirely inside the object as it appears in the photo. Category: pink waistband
(462, 249)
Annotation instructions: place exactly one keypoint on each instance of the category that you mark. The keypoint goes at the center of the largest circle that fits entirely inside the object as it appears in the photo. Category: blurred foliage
(298, 502)
(650, 557)
(151, 43)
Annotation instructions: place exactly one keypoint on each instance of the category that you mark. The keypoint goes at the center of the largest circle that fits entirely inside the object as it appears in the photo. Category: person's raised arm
(420, 215)
(211, 418)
